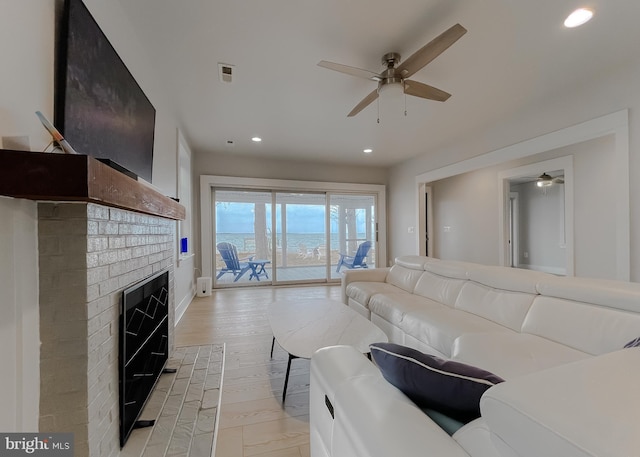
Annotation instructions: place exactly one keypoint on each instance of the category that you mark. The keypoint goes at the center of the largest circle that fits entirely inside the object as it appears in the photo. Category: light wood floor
(253, 421)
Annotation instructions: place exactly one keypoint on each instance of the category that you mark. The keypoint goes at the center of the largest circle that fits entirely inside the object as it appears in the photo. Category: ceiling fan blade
(425, 91)
(364, 103)
(431, 50)
(353, 71)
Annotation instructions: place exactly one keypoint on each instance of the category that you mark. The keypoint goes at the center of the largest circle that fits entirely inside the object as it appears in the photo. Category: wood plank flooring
(253, 421)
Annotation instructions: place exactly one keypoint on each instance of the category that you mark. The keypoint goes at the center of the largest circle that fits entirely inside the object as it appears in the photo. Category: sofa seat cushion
(439, 327)
(581, 409)
(393, 307)
(362, 291)
(447, 386)
(512, 354)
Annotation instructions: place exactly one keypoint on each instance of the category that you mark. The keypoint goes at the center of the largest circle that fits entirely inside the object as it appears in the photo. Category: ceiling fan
(545, 180)
(399, 74)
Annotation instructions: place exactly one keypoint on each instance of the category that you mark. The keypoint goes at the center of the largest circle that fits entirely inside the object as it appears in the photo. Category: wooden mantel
(71, 177)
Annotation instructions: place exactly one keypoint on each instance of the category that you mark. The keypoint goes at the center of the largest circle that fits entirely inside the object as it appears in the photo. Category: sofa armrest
(370, 275)
(374, 419)
(584, 408)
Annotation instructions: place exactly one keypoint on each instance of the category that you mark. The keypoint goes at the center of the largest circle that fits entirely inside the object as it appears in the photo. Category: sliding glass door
(301, 239)
(283, 237)
(243, 241)
(353, 232)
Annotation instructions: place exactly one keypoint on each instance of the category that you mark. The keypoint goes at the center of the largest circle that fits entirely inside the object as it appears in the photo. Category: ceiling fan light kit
(545, 180)
(396, 74)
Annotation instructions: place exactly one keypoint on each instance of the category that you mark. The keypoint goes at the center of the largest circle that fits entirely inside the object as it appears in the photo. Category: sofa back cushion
(504, 307)
(583, 326)
(442, 289)
(403, 277)
(415, 262)
(603, 292)
(506, 278)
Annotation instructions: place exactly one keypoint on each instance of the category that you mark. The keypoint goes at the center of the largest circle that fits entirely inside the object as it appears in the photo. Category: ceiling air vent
(225, 72)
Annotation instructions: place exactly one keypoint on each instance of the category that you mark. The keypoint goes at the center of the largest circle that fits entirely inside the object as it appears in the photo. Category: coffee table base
(286, 376)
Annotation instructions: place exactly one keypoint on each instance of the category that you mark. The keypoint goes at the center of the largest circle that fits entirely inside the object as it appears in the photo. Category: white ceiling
(516, 52)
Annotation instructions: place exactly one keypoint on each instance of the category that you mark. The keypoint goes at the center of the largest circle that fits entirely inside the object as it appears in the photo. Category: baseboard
(184, 304)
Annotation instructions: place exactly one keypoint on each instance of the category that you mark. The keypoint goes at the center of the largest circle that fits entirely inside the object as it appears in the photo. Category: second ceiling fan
(399, 74)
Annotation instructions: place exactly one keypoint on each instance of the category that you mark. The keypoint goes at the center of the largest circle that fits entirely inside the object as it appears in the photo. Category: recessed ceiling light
(256, 139)
(367, 151)
(578, 17)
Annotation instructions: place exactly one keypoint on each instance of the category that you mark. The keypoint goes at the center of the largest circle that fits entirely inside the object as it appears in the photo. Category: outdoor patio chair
(355, 261)
(233, 264)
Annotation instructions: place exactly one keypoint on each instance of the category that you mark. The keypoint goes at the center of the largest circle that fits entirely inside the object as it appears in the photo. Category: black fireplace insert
(144, 346)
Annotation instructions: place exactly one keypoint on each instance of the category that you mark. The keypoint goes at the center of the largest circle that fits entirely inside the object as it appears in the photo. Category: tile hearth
(184, 405)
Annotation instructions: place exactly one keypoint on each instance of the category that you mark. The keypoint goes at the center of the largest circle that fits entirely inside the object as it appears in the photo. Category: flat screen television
(99, 107)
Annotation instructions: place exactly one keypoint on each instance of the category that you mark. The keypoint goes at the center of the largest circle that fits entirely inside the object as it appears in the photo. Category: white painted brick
(97, 243)
(97, 211)
(122, 216)
(107, 257)
(117, 242)
(109, 286)
(93, 292)
(125, 254)
(108, 228)
(97, 306)
(93, 228)
(92, 259)
(130, 247)
(97, 275)
(49, 245)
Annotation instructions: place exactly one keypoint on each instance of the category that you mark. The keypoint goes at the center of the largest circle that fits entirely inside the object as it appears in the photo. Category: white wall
(19, 326)
(609, 93)
(468, 204)
(27, 37)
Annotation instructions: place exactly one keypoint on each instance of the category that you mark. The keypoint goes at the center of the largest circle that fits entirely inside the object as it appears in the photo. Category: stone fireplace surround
(89, 253)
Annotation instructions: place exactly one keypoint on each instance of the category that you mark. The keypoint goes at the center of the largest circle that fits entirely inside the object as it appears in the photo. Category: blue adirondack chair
(233, 264)
(355, 261)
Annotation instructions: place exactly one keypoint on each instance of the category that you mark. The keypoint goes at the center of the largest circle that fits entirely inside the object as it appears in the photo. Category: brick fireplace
(89, 253)
(99, 232)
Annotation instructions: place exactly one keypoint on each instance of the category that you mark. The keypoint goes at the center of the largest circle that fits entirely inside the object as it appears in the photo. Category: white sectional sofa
(570, 388)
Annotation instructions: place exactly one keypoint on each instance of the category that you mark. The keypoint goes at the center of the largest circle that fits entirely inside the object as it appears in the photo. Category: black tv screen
(99, 107)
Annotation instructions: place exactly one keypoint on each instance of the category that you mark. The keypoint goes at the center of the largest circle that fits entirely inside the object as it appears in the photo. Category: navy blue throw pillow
(633, 343)
(450, 387)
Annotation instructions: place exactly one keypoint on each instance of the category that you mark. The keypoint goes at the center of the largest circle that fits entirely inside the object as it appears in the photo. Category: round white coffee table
(302, 327)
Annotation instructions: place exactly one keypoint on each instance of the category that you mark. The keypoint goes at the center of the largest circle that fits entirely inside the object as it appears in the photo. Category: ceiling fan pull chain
(378, 110)
(405, 99)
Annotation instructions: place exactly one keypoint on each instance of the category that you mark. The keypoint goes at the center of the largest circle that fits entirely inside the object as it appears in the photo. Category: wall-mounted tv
(99, 107)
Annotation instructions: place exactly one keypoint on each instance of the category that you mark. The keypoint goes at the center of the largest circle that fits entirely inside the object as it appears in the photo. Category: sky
(239, 218)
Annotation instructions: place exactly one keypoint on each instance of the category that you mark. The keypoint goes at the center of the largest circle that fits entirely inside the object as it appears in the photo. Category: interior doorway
(537, 216)
(425, 220)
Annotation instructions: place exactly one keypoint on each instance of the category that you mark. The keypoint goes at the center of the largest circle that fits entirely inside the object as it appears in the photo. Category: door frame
(425, 221)
(535, 169)
(209, 182)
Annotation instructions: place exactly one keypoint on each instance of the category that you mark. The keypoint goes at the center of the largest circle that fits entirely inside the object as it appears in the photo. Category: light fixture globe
(544, 180)
(578, 17)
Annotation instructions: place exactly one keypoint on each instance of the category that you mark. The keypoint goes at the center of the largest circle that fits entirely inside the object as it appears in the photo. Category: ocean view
(246, 241)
